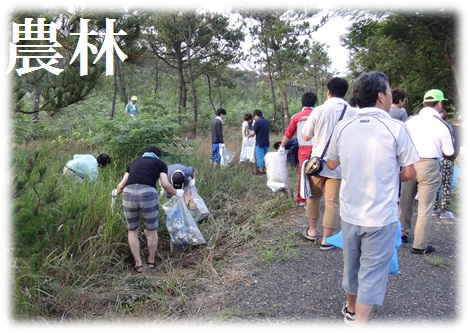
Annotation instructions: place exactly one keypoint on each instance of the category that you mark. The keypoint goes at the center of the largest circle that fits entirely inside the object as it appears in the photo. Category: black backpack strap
(328, 143)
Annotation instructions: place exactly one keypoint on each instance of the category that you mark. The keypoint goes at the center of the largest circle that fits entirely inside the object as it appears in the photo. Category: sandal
(138, 269)
(151, 265)
(307, 236)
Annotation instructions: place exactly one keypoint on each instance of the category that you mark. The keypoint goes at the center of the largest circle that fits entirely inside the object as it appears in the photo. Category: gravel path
(306, 288)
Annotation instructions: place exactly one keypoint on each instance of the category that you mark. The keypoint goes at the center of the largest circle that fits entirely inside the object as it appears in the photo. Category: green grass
(434, 260)
(70, 253)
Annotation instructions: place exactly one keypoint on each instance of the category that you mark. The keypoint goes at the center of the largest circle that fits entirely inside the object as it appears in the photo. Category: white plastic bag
(181, 226)
(247, 153)
(276, 171)
(197, 206)
(304, 183)
(226, 157)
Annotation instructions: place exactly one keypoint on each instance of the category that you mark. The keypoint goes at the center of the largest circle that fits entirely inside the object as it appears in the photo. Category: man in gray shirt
(397, 111)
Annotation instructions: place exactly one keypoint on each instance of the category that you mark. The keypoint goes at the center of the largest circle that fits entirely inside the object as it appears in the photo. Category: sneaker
(436, 213)
(326, 247)
(447, 215)
(404, 239)
(301, 204)
(349, 318)
(427, 250)
(259, 173)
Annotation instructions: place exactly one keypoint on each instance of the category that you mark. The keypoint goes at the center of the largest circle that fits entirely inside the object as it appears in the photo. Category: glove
(179, 193)
(192, 182)
(114, 193)
(222, 145)
(281, 150)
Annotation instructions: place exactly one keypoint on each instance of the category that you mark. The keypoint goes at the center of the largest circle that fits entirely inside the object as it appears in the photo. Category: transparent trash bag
(197, 206)
(180, 225)
(226, 157)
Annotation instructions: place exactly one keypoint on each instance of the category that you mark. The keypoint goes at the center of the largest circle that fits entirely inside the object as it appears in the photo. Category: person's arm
(244, 126)
(284, 141)
(167, 185)
(332, 164)
(121, 185)
(221, 133)
(407, 173)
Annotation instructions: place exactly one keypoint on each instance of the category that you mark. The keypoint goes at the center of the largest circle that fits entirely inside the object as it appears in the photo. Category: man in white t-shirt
(371, 147)
(318, 128)
(432, 139)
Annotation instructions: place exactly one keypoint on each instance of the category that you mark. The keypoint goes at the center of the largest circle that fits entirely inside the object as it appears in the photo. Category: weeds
(434, 260)
(71, 257)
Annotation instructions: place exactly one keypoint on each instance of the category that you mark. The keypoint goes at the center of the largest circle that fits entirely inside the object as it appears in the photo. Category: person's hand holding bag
(179, 193)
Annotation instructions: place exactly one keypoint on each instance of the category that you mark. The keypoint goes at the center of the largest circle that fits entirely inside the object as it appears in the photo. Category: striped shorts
(140, 200)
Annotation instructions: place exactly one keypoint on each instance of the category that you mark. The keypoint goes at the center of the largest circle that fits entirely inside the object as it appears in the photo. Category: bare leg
(152, 243)
(327, 232)
(351, 303)
(312, 231)
(133, 238)
(363, 312)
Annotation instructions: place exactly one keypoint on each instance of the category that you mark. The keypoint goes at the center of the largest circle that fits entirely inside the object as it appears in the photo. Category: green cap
(434, 95)
(134, 98)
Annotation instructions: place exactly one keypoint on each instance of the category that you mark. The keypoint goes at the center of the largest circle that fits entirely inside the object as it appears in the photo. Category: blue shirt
(84, 165)
(261, 128)
(132, 109)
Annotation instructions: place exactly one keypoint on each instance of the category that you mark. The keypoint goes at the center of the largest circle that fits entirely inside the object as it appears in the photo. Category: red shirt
(295, 126)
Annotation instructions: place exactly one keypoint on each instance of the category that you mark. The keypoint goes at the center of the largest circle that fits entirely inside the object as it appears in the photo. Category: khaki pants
(72, 175)
(331, 186)
(426, 185)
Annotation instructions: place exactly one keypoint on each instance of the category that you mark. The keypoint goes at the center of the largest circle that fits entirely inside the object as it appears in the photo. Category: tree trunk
(210, 91)
(122, 85)
(182, 91)
(192, 84)
(115, 88)
(285, 107)
(271, 84)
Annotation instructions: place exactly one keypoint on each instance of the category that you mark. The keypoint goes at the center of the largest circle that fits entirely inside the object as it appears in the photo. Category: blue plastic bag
(455, 176)
(337, 240)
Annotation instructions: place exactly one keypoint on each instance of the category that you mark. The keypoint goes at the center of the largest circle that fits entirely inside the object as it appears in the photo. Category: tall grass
(71, 261)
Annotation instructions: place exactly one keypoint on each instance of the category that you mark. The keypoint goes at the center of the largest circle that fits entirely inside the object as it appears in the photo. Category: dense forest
(69, 253)
(189, 63)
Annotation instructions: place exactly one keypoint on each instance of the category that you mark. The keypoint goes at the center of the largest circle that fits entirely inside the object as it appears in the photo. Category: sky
(327, 34)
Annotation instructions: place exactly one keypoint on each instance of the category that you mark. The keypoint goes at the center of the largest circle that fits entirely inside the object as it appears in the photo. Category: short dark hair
(352, 102)
(398, 94)
(153, 149)
(103, 160)
(309, 99)
(338, 87)
(220, 111)
(277, 144)
(367, 88)
(247, 116)
(177, 179)
(257, 113)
